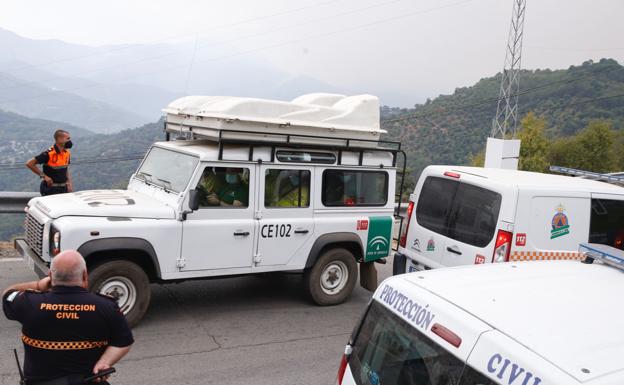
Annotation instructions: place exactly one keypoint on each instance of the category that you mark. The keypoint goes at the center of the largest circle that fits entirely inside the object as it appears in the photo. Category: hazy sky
(418, 48)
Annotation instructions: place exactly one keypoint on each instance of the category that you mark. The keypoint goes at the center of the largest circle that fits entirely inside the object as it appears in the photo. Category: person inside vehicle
(210, 183)
(233, 193)
(294, 190)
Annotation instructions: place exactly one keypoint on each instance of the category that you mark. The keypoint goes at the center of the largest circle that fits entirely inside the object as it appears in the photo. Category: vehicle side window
(472, 377)
(354, 188)
(306, 157)
(224, 187)
(434, 204)
(474, 215)
(606, 225)
(286, 188)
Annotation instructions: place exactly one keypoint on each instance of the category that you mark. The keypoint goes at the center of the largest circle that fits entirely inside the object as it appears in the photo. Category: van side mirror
(193, 199)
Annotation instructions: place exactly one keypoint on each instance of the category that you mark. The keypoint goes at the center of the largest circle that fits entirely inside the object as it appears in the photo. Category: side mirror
(193, 199)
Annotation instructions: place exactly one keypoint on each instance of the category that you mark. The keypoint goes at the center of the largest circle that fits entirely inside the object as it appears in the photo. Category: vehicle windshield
(168, 169)
(388, 351)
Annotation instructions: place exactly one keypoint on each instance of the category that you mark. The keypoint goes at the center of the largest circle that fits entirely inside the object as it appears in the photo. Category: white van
(467, 215)
(539, 323)
(257, 186)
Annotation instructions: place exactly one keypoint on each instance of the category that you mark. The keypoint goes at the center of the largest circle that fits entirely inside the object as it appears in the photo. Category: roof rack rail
(609, 178)
(293, 140)
(603, 253)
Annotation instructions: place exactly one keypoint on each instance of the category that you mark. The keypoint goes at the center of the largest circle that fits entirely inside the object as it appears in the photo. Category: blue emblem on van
(373, 377)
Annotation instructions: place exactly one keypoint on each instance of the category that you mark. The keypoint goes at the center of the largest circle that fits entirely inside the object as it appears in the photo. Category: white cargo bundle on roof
(323, 116)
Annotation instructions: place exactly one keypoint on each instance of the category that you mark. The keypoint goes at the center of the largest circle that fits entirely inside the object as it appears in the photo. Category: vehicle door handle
(454, 250)
(302, 231)
(241, 233)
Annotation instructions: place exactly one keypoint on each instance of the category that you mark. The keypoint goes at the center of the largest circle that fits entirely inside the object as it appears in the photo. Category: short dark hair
(58, 133)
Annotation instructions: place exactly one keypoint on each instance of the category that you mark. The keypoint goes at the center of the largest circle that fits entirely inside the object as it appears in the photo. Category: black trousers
(73, 379)
(44, 189)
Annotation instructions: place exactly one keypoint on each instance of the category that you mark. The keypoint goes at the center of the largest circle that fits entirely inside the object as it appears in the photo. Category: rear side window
(607, 222)
(354, 188)
(388, 351)
(286, 188)
(457, 210)
(474, 215)
(434, 204)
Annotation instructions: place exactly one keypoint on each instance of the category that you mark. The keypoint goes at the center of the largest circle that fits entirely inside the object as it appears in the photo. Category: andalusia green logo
(379, 233)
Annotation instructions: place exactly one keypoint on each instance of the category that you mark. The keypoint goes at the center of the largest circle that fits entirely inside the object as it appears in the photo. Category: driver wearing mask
(233, 193)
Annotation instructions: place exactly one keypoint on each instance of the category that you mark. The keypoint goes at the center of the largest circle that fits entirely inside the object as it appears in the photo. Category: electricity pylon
(506, 119)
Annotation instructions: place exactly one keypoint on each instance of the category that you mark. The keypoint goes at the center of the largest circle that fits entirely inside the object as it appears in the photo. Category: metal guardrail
(12, 202)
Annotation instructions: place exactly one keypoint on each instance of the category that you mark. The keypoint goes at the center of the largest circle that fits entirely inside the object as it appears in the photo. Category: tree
(477, 159)
(534, 145)
(596, 147)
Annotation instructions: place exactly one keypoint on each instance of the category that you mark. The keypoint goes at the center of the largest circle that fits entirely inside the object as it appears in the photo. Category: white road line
(11, 259)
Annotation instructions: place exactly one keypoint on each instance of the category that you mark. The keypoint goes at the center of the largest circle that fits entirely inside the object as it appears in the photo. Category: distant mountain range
(106, 89)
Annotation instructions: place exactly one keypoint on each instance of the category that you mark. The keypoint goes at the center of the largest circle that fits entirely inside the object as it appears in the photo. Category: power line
(595, 100)
(271, 46)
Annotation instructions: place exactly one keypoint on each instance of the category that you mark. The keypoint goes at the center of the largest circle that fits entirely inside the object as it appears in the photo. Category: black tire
(126, 281)
(334, 263)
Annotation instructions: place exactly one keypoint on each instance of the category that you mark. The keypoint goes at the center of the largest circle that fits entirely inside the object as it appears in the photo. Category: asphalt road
(249, 330)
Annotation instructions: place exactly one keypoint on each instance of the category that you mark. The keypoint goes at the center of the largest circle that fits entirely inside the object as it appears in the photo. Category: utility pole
(506, 119)
(501, 151)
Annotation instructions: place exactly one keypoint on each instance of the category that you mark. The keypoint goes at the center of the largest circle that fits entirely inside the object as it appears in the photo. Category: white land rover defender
(247, 186)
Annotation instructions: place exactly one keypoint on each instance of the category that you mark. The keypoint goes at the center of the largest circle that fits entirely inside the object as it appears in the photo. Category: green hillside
(450, 128)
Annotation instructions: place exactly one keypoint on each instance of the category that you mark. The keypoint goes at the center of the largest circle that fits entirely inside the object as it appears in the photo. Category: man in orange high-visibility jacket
(55, 160)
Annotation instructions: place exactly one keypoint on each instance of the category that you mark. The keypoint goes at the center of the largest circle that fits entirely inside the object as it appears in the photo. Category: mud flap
(368, 276)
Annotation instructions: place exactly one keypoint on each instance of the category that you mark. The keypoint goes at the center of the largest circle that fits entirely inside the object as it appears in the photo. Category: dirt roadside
(7, 250)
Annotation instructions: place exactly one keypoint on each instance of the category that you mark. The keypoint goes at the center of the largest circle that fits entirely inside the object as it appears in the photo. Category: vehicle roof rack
(274, 139)
(603, 253)
(617, 179)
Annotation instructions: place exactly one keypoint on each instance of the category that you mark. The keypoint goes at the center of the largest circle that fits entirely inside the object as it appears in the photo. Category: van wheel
(125, 281)
(332, 278)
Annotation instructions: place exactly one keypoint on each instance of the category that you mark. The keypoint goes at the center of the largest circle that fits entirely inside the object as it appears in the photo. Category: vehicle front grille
(34, 234)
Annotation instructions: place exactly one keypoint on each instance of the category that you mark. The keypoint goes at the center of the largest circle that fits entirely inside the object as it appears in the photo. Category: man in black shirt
(55, 160)
(67, 332)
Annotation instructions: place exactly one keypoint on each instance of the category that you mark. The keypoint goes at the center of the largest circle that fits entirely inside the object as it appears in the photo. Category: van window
(434, 204)
(388, 351)
(474, 215)
(606, 225)
(457, 210)
(354, 188)
(286, 188)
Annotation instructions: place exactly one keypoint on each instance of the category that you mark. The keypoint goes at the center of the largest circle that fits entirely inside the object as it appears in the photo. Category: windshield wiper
(146, 176)
(165, 183)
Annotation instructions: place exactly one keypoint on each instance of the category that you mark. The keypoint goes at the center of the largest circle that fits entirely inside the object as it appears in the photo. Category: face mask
(231, 178)
(68, 144)
(294, 180)
(346, 178)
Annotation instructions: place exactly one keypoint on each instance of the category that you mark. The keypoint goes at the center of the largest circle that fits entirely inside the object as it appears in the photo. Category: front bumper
(36, 264)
